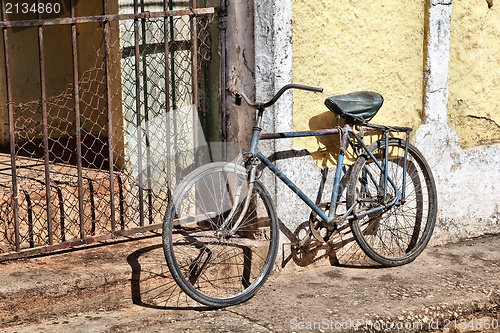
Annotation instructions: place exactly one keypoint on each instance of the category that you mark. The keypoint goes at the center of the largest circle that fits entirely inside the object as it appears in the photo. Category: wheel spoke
(210, 264)
(398, 234)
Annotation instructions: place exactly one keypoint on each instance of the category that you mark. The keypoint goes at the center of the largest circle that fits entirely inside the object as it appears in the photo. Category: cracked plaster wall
(474, 103)
(468, 181)
(260, 62)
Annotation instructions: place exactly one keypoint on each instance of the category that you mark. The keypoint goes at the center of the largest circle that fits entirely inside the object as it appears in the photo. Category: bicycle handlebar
(240, 95)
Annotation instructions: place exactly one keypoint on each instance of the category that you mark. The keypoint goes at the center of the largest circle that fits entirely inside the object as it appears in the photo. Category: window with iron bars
(105, 106)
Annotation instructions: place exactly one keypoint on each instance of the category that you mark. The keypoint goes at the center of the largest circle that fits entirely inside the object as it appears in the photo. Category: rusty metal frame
(74, 53)
(106, 18)
(15, 191)
(54, 195)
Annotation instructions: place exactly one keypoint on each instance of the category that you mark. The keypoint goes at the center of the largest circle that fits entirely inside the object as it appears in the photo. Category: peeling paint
(474, 106)
(468, 181)
(416, 91)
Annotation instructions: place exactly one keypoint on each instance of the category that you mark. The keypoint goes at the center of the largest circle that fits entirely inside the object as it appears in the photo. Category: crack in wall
(437, 90)
(484, 118)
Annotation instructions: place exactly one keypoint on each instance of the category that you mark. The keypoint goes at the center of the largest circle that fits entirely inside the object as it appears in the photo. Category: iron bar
(146, 116)
(171, 54)
(110, 117)
(45, 133)
(222, 89)
(194, 74)
(31, 234)
(61, 212)
(15, 191)
(138, 115)
(105, 18)
(76, 94)
(167, 98)
(129, 234)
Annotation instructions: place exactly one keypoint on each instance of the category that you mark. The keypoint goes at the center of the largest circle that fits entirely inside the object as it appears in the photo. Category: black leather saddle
(359, 106)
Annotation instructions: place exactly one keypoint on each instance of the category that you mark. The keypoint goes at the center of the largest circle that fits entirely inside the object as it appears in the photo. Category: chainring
(315, 227)
(318, 230)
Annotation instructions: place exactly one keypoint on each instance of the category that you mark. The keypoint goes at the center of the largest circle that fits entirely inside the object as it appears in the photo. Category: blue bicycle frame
(347, 133)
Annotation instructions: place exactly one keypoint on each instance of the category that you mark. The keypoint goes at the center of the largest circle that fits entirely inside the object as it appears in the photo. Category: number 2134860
(476, 324)
(35, 8)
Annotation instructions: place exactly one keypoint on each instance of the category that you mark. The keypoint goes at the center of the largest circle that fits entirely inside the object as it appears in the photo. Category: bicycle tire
(215, 270)
(394, 236)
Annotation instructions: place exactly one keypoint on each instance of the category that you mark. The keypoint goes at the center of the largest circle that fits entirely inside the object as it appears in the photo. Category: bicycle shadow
(153, 286)
(329, 145)
(341, 250)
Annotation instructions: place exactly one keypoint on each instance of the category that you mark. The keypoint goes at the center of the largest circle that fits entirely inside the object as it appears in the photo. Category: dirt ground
(126, 287)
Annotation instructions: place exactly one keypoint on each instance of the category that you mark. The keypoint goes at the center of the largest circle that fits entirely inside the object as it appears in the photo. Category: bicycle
(220, 232)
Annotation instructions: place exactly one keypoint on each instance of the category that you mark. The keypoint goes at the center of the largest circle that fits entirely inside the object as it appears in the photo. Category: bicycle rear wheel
(397, 235)
(212, 265)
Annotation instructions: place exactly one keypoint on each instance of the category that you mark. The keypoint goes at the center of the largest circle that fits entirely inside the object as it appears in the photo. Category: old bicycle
(220, 232)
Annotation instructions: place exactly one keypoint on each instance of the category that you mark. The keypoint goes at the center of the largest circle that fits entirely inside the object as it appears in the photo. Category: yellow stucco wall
(474, 102)
(345, 46)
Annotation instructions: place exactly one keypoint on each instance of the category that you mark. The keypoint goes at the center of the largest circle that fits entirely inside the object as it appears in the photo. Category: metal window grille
(108, 118)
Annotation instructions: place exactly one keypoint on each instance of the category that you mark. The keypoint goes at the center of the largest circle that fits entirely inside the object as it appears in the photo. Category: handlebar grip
(240, 95)
(314, 89)
(238, 99)
(291, 86)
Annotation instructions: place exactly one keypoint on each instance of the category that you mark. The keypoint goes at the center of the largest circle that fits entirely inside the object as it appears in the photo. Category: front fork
(252, 164)
(236, 201)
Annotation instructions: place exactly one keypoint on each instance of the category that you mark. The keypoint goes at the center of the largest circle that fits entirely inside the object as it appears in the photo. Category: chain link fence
(99, 158)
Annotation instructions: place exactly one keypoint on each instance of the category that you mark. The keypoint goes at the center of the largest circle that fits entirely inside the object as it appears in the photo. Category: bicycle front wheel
(213, 261)
(396, 235)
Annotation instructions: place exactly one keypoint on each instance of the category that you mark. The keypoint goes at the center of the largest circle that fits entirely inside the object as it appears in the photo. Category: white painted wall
(468, 182)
